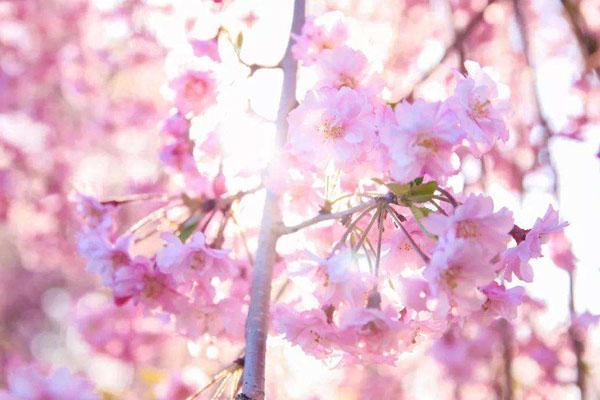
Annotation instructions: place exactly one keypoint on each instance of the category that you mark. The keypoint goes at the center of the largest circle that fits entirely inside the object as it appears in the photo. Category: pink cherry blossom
(332, 125)
(415, 293)
(420, 139)
(103, 256)
(130, 280)
(399, 251)
(177, 126)
(343, 282)
(501, 301)
(208, 48)
(375, 335)
(94, 214)
(516, 260)
(457, 272)
(309, 329)
(475, 222)
(342, 66)
(182, 260)
(479, 111)
(318, 35)
(194, 91)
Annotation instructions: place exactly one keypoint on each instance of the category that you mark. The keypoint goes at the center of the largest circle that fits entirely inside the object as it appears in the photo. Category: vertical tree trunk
(257, 322)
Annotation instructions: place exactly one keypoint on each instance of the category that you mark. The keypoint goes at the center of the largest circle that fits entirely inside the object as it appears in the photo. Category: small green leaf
(187, 228)
(239, 41)
(398, 189)
(425, 189)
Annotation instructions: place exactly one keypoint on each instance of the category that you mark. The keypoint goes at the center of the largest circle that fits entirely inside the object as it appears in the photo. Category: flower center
(370, 328)
(195, 88)
(427, 142)
(199, 259)
(450, 276)
(119, 258)
(347, 81)
(331, 131)
(152, 288)
(466, 229)
(480, 109)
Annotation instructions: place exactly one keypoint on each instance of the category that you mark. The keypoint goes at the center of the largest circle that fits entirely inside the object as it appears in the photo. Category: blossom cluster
(441, 258)
(414, 260)
(199, 284)
(389, 251)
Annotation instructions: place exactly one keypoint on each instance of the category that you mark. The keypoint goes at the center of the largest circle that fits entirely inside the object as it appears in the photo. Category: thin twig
(351, 227)
(368, 229)
(437, 206)
(328, 216)
(458, 41)
(380, 234)
(129, 198)
(450, 198)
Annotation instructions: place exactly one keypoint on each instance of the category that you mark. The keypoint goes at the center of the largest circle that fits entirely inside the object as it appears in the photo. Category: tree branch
(328, 216)
(257, 322)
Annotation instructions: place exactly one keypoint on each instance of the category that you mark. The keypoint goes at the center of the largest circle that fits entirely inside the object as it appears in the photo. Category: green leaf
(187, 228)
(425, 189)
(239, 41)
(398, 189)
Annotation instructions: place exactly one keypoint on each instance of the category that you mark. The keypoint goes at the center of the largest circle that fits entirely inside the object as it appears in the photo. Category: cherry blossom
(420, 141)
(475, 222)
(194, 91)
(516, 259)
(319, 35)
(339, 123)
(478, 109)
